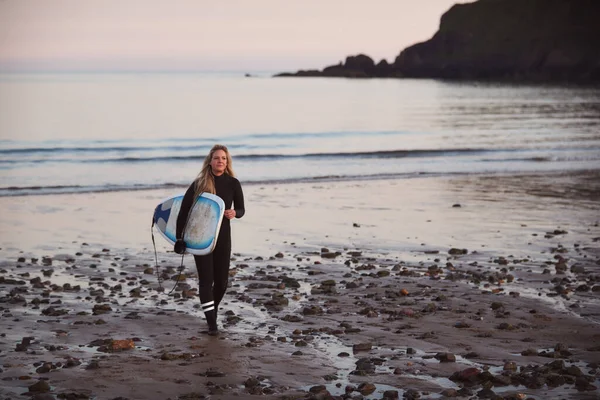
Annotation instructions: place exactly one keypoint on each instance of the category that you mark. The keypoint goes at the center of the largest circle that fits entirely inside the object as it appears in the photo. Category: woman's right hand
(179, 246)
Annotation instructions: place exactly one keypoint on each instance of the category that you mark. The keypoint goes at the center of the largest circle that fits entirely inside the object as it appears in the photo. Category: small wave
(238, 142)
(14, 191)
(99, 149)
(403, 153)
(21, 190)
(517, 159)
(266, 156)
(17, 188)
(319, 135)
(546, 159)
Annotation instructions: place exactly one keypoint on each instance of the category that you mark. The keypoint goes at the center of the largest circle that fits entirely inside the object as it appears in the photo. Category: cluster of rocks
(551, 375)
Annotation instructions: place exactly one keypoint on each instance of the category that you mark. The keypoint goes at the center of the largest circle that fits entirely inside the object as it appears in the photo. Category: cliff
(540, 40)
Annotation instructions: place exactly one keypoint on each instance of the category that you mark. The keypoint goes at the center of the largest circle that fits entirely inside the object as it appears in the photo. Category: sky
(209, 35)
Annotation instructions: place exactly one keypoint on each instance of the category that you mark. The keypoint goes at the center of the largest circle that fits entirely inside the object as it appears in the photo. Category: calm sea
(80, 132)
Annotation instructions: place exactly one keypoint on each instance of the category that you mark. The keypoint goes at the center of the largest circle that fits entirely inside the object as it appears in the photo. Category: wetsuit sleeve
(238, 200)
(186, 206)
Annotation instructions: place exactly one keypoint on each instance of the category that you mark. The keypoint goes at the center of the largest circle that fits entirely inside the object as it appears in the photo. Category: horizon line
(135, 70)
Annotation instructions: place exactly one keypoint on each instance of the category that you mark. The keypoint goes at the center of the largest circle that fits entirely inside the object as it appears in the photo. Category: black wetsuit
(213, 268)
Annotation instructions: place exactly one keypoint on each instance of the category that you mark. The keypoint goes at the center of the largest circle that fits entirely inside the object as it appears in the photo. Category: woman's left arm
(238, 200)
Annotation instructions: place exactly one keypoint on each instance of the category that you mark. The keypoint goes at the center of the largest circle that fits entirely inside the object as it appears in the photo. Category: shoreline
(320, 179)
(330, 287)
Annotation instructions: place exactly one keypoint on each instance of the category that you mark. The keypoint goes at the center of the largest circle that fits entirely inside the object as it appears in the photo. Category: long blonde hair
(205, 181)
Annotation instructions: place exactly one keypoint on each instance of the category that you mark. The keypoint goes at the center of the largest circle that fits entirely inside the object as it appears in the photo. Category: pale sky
(229, 35)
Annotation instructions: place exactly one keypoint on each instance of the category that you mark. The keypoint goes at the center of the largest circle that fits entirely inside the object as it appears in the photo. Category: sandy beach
(467, 286)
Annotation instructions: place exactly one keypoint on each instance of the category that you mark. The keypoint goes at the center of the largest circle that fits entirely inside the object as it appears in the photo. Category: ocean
(86, 132)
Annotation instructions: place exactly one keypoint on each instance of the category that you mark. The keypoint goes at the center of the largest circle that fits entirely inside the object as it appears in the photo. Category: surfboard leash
(158, 276)
(161, 289)
(181, 267)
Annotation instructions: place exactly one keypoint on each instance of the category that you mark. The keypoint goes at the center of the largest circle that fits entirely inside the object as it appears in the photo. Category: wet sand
(470, 286)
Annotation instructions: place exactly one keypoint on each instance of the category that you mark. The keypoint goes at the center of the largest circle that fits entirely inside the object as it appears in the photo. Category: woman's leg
(204, 265)
(221, 260)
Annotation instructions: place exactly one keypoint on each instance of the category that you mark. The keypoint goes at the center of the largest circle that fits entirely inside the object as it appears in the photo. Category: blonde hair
(205, 181)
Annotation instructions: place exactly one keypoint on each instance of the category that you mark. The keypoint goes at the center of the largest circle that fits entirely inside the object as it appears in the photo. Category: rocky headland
(533, 40)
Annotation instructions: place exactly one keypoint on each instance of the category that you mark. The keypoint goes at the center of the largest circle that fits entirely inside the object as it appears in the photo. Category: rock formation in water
(538, 40)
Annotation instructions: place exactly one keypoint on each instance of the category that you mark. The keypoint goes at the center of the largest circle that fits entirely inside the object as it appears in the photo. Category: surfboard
(204, 223)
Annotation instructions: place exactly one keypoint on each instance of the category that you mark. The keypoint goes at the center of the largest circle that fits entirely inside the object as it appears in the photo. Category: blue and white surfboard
(203, 225)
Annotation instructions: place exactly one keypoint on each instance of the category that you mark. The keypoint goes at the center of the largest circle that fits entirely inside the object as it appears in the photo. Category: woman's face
(218, 162)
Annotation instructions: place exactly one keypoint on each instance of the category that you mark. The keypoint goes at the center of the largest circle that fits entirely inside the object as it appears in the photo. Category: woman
(216, 177)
